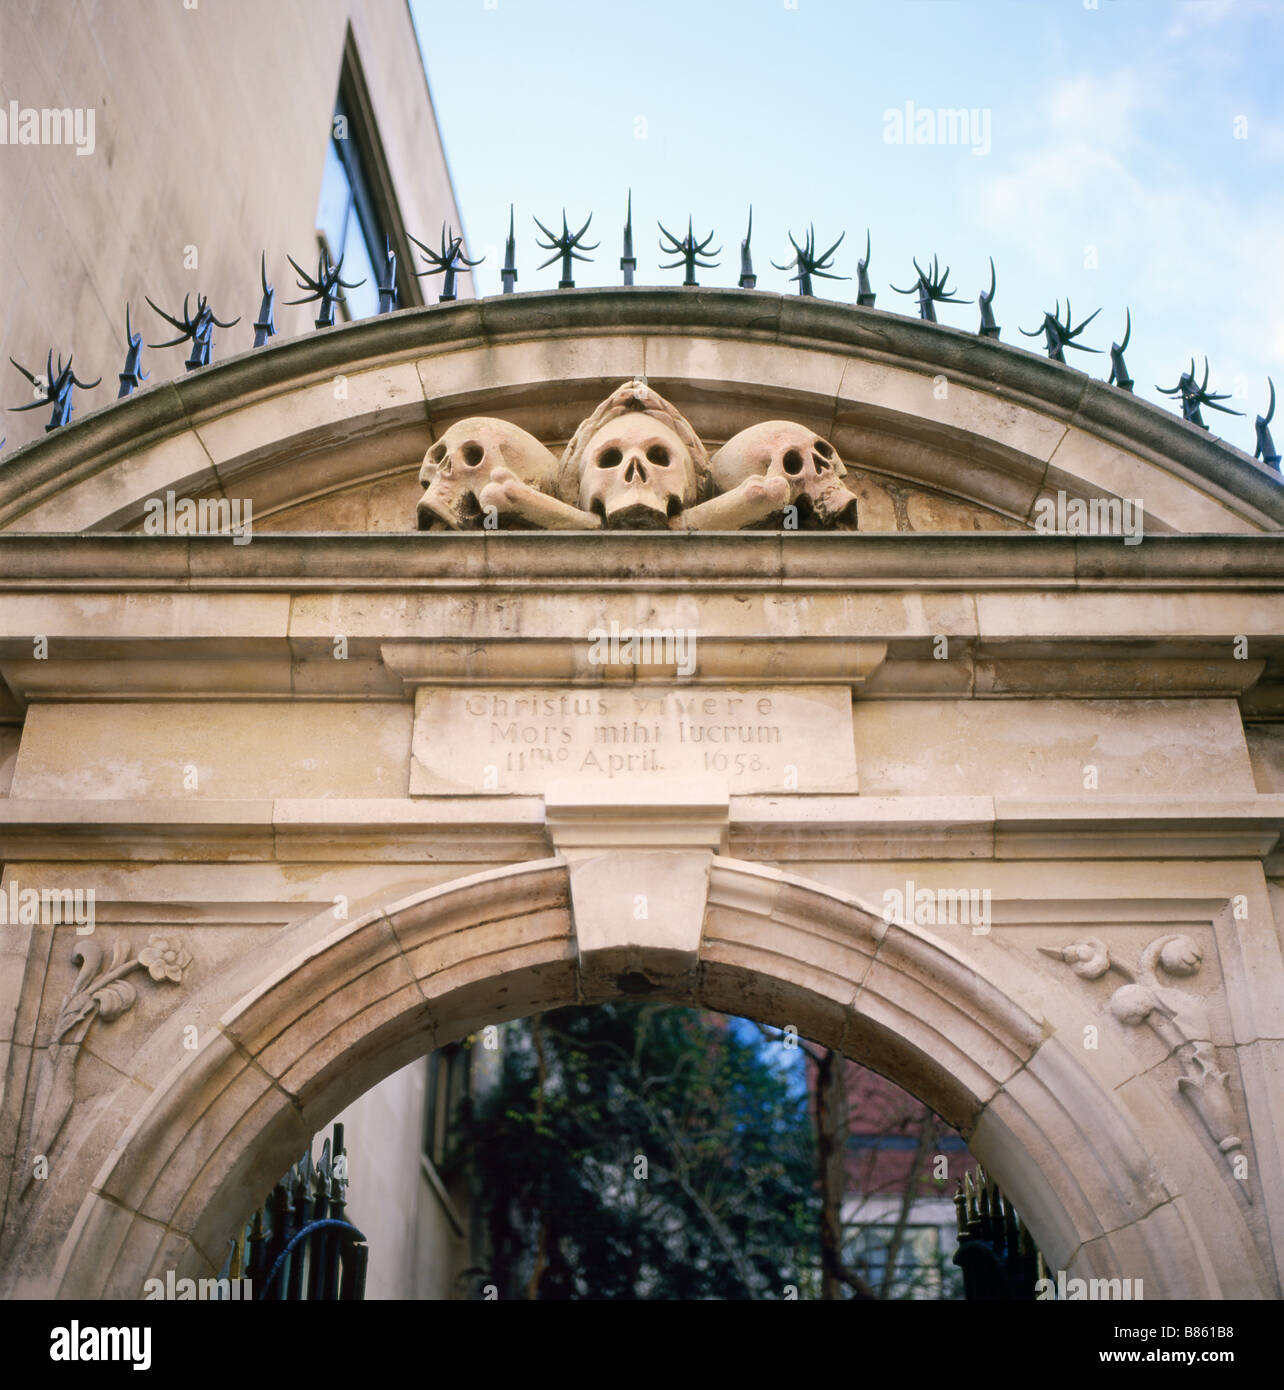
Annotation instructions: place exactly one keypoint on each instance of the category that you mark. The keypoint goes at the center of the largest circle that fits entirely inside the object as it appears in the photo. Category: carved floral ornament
(100, 991)
(1176, 1016)
(634, 464)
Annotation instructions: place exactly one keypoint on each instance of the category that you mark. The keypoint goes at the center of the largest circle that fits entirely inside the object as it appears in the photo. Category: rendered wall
(210, 132)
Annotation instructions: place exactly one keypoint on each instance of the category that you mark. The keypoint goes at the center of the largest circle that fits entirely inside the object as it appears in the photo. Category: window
(356, 213)
(923, 1269)
(447, 1085)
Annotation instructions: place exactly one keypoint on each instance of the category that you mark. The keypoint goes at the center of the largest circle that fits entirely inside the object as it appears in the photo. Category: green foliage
(728, 1206)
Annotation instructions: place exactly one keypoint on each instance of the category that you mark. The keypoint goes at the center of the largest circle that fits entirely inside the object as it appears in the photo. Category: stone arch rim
(755, 896)
(1006, 372)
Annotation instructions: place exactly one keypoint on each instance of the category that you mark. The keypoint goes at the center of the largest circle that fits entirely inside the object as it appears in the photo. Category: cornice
(746, 560)
(779, 828)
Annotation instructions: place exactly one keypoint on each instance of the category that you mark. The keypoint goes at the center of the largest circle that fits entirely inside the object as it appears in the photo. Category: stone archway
(217, 739)
(1106, 1178)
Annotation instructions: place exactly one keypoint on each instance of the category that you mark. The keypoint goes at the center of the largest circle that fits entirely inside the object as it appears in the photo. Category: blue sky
(1146, 136)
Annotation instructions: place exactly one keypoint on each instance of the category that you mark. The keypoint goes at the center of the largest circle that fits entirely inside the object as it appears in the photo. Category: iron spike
(628, 261)
(748, 280)
(509, 272)
(132, 375)
(1266, 450)
(265, 324)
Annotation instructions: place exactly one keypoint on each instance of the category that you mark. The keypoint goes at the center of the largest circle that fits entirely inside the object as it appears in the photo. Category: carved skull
(461, 462)
(636, 473)
(809, 464)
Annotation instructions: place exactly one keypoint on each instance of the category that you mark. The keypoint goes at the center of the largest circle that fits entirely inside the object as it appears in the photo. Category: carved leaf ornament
(100, 991)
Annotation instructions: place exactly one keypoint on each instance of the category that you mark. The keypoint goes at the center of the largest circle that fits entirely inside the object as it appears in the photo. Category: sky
(1124, 154)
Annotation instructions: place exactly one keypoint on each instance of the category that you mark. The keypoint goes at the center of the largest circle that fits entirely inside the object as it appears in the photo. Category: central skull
(636, 473)
(809, 464)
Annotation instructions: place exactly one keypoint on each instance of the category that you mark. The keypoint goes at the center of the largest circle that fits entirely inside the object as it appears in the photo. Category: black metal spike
(568, 247)
(864, 295)
(1118, 367)
(988, 329)
(447, 262)
(328, 286)
(199, 331)
(809, 263)
(628, 261)
(55, 390)
(1057, 335)
(1193, 397)
(1265, 450)
(931, 290)
(265, 324)
(132, 375)
(689, 251)
(509, 273)
(748, 280)
(388, 284)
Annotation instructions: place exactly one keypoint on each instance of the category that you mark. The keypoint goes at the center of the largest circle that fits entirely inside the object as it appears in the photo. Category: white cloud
(1195, 15)
(1101, 109)
(1200, 260)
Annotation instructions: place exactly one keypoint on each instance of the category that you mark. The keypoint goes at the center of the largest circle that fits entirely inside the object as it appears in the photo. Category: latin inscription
(512, 742)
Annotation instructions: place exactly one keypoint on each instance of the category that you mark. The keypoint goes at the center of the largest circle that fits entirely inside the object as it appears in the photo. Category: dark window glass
(347, 216)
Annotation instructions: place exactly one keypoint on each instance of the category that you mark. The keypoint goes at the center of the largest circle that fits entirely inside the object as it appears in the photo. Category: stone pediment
(937, 429)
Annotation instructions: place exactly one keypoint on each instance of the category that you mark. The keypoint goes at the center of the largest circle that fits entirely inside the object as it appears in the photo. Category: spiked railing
(747, 278)
(1193, 397)
(689, 251)
(299, 1246)
(388, 283)
(199, 331)
(1266, 450)
(988, 328)
(931, 290)
(265, 324)
(131, 374)
(864, 295)
(1058, 336)
(1118, 367)
(628, 261)
(327, 286)
(568, 247)
(509, 272)
(809, 263)
(54, 390)
(446, 262)
(998, 1258)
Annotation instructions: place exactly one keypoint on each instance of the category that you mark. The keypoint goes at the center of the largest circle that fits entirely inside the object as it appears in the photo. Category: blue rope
(295, 1239)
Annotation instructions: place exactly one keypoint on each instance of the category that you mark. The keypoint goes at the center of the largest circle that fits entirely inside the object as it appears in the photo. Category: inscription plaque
(513, 742)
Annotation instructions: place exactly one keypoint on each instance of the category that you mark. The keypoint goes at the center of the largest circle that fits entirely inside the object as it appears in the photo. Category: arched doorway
(1103, 1174)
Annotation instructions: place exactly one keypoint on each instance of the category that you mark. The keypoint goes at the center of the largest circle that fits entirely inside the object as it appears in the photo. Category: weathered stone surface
(510, 742)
